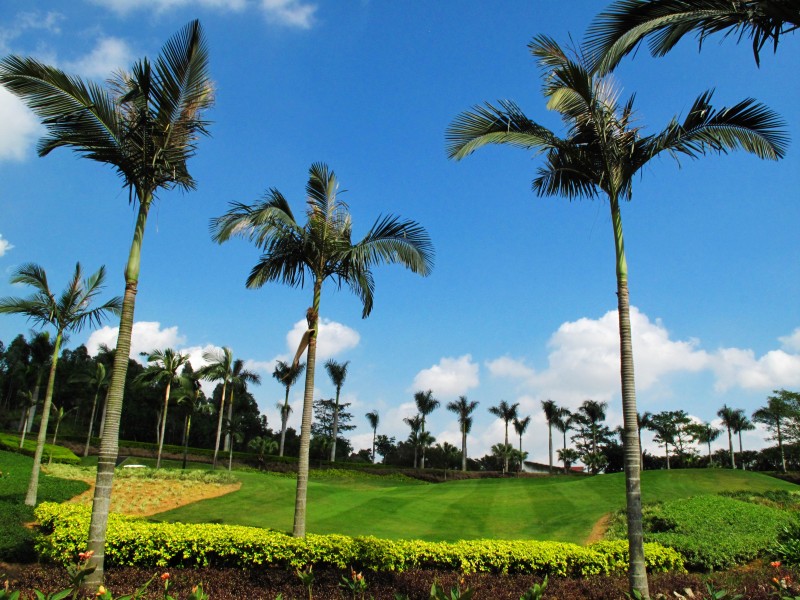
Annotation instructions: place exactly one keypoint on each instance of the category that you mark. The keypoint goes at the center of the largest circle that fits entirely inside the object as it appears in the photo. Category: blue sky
(521, 303)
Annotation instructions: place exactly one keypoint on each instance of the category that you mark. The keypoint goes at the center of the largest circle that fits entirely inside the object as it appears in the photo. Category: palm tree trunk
(109, 441)
(103, 414)
(505, 459)
(565, 447)
(374, 434)
(163, 425)
(228, 434)
(463, 449)
(335, 427)
(550, 446)
(709, 453)
(284, 420)
(299, 528)
(780, 445)
(666, 454)
(91, 424)
(730, 447)
(33, 484)
(219, 423)
(637, 574)
(741, 457)
(520, 453)
(186, 438)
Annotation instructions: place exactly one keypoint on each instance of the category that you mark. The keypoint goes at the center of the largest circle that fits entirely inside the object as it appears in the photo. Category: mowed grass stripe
(547, 508)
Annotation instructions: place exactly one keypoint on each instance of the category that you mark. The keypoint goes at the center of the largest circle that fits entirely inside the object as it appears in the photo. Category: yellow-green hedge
(132, 541)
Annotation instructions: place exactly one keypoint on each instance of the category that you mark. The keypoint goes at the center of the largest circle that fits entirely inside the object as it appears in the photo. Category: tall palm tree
(97, 380)
(190, 396)
(728, 417)
(463, 409)
(780, 407)
(563, 423)
(593, 413)
(41, 353)
(164, 366)
(321, 249)
(70, 311)
(426, 404)
(287, 375)
(145, 125)
(741, 423)
(338, 373)
(374, 418)
(551, 413)
(600, 155)
(705, 433)
(219, 368)
(664, 426)
(415, 423)
(520, 426)
(507, 412)
(621, 27)
(240, 377)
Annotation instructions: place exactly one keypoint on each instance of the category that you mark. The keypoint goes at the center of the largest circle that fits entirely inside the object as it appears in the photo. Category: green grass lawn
(557, 508)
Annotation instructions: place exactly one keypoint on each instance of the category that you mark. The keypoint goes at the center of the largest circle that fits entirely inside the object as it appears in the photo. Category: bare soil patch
(598, 530)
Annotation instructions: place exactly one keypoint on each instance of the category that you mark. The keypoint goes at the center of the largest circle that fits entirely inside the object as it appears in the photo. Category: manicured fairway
(547, 508)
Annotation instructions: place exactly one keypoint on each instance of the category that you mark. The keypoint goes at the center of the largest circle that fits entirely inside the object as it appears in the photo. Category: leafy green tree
(287, 375)
(507, 412)
(551, 414)
(781, 407)
(41, 355)
(262, 445)
(374, 419)
(164, 367)
(70, 311)
(592, 413)
(415, 423)
(338, 373)
(145, 125)
(426, 404)
(463, 410)
(240, 377)
(621, 27)
(189, 395)
(219, 367)
(322, 249)
(742, 423)
(665, 425)
(642, 422)
(728, 417)
(601, 154)
(704, 433)
(568, 456)
(326, 413)
(520, 426)
(564, 422)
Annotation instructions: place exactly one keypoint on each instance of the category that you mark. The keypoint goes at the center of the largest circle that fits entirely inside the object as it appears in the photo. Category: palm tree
(190, 395)
(503, 452)
(234, 430)
(321, 249)
(741, 423)
(783, 405)
(262, 445)
(705, 433)
(643, 421)
(563, 423)
(415, 423)
(97, 381)
(568, 456)
(664, 426)
(507, 412)
(338, 373)
(520, 425)
(426, 404)
(287, 374)
(70, 311)
(463, 409)
(145, 126)
(374, 418)
(240, 377)
(41, 349)
(620, 28)
(551, 413)
(593, 413)
(164, 366)
(601, 154)
(728, 417)
(219, 368)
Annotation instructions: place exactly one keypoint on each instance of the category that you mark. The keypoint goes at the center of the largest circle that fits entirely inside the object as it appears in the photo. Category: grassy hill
(558, 508)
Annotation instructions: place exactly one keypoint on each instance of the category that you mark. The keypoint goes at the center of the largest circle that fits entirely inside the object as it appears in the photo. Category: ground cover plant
(58, 454)
(560, 508)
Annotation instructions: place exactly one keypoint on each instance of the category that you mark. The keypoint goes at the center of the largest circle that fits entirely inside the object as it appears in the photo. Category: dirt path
(598, 529)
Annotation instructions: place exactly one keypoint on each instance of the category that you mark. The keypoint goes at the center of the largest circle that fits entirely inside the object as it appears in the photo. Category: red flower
(775, 564)
(164, 576)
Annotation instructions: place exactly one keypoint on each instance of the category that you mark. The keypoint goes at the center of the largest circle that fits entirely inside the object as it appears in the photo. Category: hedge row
(136, 542)
(59, 454)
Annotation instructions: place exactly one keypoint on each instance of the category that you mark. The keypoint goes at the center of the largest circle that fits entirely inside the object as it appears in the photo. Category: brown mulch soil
(267, 583)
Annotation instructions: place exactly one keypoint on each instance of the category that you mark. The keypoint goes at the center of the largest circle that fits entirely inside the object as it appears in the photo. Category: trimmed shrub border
(135, 542)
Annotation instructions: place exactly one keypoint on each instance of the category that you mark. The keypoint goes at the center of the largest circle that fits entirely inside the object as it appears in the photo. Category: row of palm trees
(146, 124)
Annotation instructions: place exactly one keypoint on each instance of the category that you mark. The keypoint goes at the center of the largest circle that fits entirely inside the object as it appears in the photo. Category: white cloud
(146, 337)
(5, 246)
(507, 367)
(291, 13)
(333, 338)
(451, 377)
(124, 7)
(738, 367)
(26, 21)
(791, 342)
(20, 127)
(109, 55)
